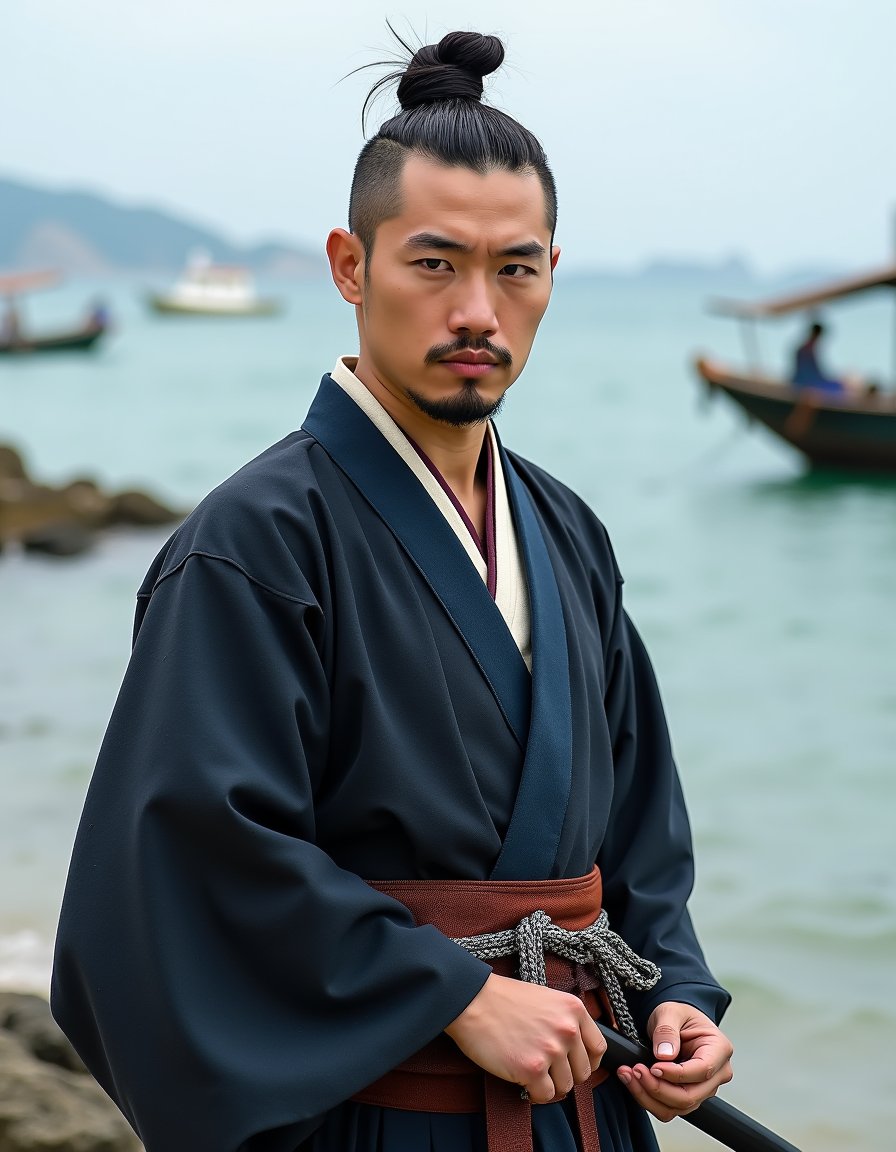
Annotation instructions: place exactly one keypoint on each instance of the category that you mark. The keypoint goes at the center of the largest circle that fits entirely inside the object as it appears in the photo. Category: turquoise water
(766, 597)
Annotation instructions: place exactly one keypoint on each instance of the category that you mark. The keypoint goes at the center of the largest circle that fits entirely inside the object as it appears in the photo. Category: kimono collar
(511, 593)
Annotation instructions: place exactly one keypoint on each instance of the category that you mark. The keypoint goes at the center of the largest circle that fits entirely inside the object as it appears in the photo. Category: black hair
(442, 118)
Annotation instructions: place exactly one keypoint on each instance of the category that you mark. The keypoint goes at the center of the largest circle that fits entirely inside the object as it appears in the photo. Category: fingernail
(625, 1077)
(657, 1072)
(665, 1049)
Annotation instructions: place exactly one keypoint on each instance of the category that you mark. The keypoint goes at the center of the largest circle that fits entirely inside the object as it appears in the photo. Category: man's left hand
(693, 1058)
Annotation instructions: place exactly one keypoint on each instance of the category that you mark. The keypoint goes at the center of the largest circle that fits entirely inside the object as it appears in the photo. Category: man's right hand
(539, 1038)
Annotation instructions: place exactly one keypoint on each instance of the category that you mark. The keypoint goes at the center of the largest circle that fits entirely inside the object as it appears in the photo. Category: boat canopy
(802, 301)
(17, 283)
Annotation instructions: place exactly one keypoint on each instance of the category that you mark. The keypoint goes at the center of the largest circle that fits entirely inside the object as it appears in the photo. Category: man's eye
(433, 264)
(517, 271)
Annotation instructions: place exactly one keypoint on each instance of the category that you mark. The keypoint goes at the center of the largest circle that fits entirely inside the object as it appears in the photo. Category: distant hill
(85, 234)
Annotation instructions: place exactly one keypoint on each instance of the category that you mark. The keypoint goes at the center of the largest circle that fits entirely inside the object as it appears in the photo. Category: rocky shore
(65, 520)
(49, 1102)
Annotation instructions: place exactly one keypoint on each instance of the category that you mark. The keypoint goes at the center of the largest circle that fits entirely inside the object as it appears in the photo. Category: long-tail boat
(17, 341)
(851, 429)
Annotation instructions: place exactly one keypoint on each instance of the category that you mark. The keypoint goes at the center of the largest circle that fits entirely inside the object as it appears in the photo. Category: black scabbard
(714, 1117)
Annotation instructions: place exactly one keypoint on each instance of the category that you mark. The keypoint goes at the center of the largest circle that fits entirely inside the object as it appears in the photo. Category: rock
(58, 540)
(87, 502)
(12, 466)
(140, 509)
(45, 1106)
(26, 507)
(59, 521)
(28, 1018)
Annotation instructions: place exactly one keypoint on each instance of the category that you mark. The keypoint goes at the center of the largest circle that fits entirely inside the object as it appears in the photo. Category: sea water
(767, 597)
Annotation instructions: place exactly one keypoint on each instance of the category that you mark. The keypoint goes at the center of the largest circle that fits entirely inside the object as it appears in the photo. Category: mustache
(467, 344)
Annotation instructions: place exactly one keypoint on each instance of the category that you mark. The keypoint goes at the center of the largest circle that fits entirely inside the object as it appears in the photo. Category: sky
(677, 129)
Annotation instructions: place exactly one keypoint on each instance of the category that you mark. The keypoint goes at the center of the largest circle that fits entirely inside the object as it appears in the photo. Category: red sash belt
(439, 1078)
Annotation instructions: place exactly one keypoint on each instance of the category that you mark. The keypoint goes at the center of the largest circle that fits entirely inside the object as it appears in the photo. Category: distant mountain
(85, 234)
(82, 233)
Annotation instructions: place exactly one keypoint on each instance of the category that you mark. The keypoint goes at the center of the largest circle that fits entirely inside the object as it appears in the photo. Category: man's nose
(474, 309)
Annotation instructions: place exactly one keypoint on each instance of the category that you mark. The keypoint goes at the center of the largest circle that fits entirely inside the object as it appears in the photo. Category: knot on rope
(595, 946)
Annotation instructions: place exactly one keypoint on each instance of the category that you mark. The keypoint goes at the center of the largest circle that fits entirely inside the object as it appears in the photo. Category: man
(11, 329)
(807, 372)
(382, 687)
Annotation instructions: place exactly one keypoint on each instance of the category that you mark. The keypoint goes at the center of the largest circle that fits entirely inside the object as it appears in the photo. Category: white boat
(207, 289)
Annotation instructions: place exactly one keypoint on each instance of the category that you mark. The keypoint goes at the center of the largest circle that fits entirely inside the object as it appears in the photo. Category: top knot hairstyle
(453, 69)
(442, 118)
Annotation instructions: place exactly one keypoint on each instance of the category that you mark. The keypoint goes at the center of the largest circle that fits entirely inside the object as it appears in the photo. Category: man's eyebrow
(529, 248)
(432, 240)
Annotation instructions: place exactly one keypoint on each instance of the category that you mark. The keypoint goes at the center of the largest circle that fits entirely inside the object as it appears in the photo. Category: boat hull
(171, 306)
(857, 433)
(81, 340)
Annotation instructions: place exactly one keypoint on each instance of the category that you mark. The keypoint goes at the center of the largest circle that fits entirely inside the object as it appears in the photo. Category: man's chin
(464, 408)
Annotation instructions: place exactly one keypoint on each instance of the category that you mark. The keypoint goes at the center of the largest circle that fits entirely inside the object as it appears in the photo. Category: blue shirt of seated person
(807, 372)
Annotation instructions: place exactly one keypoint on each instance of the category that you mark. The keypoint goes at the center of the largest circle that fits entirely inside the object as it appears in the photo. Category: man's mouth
(469, 359)
(471, 363)
(469, 356)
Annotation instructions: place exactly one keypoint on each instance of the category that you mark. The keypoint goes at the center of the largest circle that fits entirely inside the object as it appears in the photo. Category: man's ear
(346, 255)
(555, 256)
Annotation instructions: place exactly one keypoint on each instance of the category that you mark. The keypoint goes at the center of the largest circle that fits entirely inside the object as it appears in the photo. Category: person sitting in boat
(98, 316)
(11, 329)
(807, 372)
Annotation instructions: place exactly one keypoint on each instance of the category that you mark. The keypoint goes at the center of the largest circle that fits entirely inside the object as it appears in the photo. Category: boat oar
(714, 1117)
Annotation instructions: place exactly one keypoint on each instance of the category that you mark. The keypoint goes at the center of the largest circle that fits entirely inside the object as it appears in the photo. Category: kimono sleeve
(646, 859)
(225, 981)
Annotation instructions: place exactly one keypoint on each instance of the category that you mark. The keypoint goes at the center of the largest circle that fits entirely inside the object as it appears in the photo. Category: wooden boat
(207, 289)
(77, 340)
(16, 341)
(855, 430)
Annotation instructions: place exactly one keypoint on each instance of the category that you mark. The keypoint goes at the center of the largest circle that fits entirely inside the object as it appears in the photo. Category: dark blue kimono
(321, 690)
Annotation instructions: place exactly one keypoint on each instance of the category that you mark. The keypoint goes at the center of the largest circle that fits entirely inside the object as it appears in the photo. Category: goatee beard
(464, 408)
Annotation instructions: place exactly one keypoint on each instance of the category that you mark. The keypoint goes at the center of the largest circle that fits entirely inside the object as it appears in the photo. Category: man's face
(455, 289)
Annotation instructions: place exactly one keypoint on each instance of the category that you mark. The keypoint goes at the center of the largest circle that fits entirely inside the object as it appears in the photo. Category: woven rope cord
(596, 946)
